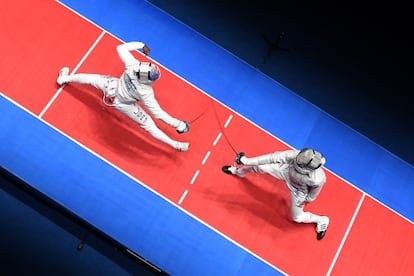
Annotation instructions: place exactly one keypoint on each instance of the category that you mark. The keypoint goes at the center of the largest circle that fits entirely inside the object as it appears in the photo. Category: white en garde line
(217, 139)
(194, 177)
(205, 158)
(346, 234)
(73, 71)
(182, 197)
(228, 121)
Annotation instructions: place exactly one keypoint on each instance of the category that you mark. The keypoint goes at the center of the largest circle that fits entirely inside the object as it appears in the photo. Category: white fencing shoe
(322, 227)
(179, 146)
(62, 75)
(183, 127)
(232, 170)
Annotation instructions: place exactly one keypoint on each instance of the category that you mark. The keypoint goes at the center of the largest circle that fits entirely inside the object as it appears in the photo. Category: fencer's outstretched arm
(271, 158)
(124, 52)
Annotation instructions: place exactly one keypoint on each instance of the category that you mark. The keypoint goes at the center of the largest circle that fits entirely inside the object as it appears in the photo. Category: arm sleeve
(276, 157)
(313, 193)
(319, 179)
(124, 52)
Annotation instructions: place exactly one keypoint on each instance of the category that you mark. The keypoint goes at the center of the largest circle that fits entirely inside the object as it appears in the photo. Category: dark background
(349, 59)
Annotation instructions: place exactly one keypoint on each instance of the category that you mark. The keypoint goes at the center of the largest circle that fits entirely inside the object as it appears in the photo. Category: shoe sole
(186, 129)
(226, 169)
(63, 72)
(320, 235)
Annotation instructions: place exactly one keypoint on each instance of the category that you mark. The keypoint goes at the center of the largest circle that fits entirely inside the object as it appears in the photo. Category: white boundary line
(74, 70)
(346, 234)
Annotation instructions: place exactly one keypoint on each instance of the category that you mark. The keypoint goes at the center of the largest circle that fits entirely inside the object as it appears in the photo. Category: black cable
(221, 128)
(219, 122)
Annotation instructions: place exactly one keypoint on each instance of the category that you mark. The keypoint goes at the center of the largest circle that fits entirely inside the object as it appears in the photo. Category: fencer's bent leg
(136, 113)
(276, 170)
(100, 82)
(108, 85)
(258, 160)
(297, 198)
(298, 214)
(280, 171)
(151, 104)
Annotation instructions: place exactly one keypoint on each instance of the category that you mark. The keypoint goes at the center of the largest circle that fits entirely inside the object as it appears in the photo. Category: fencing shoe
(239, 157)
(232, 170)
(62, 75)
(183, 127)
(321, 228)
(179, 146)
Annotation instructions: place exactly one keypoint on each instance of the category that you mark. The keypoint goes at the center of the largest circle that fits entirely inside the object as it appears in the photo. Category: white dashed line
(183, 196)
(195, 177)
(204, 161)
(205, 158)
(228, 121)
(217, 139)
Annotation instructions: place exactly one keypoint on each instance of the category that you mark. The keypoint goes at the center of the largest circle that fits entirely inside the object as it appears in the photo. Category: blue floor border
(117, 205)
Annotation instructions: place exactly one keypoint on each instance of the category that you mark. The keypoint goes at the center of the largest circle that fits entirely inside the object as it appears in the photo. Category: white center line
(217, 139)
(182, 197)
(205, 158)
(228, 121)
(195, 177)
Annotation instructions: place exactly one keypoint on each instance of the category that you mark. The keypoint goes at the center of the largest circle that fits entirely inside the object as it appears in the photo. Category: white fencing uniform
(123, 93)
(304, 184)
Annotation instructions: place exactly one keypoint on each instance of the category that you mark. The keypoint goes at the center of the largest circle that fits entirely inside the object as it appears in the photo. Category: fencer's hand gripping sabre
(238, 159)
(146, 50)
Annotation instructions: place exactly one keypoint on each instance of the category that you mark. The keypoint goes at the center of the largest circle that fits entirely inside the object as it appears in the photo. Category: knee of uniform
(298, 218)
(149, 126)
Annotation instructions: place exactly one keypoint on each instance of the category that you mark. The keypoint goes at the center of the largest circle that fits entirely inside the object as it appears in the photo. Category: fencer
(135, 84)
(302, 171)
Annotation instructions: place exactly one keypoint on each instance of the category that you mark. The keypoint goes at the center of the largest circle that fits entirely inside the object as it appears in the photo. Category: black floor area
(38, 237)
(348, 59)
